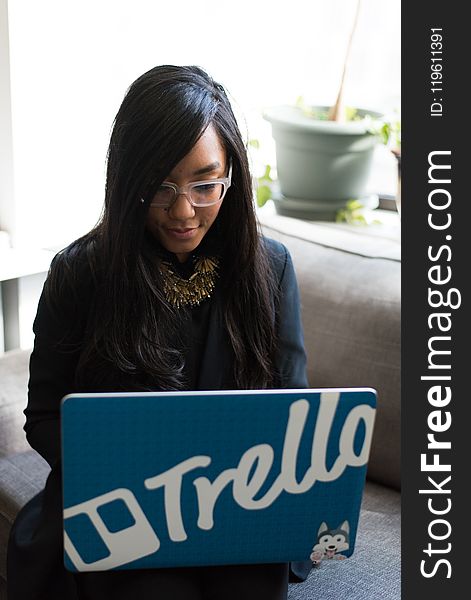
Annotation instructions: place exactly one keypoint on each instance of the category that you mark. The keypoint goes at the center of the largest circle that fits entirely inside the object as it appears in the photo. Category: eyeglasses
(198, 193)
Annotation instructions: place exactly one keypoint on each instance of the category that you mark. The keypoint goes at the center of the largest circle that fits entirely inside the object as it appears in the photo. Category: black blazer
(34, 560)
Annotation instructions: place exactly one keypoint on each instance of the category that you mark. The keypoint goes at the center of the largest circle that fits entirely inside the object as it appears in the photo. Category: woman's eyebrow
(208, 169)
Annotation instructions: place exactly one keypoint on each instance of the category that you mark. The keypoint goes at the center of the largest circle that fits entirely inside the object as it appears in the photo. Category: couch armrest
(23, 476)
(13, 399)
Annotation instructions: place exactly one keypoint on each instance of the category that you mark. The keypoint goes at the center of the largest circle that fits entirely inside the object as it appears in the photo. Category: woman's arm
(290, 360)
(58, 329)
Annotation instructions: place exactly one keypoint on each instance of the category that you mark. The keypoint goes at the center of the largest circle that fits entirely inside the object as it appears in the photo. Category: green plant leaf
(351, 114)
(263, 194)
(318, 114)
(353, 213)
(353, 205)
(267, 175)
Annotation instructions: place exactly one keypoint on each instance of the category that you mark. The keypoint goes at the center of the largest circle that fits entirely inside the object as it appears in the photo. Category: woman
(174, 289)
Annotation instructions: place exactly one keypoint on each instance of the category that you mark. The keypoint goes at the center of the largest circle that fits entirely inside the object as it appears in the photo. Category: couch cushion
(13, 399)
(350, 300)
(374, 569)
(22, 476)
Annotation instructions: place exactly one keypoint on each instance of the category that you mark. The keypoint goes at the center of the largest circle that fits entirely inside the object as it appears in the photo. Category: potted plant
(324, 154)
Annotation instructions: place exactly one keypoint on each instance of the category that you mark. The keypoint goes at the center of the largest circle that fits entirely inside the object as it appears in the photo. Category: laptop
(166, 479)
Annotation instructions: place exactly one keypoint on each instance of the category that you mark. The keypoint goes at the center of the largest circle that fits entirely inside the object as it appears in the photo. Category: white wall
(29, 291)
(7, 206)
(72, 61)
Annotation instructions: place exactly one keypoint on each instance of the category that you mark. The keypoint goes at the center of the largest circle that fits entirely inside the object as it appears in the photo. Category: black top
(195, 340)
(194, 324)
(35, 547)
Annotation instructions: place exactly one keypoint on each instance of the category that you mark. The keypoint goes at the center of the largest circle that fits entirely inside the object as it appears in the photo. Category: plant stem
(337, 112)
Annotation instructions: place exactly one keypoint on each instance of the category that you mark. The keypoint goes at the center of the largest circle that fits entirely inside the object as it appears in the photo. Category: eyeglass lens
(201, 195)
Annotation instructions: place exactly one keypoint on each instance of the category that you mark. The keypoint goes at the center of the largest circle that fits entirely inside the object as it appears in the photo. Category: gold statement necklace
(182, 292)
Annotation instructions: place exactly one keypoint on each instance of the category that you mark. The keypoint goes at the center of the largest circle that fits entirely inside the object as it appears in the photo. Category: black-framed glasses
(198, 193)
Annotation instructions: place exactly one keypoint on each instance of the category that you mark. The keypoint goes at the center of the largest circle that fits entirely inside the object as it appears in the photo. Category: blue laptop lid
(210, 478)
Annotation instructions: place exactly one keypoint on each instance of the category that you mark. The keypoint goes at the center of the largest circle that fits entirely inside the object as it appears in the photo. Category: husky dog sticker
(330, 542)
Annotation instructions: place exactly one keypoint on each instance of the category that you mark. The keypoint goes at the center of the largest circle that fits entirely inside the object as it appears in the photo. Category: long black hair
(131, 329)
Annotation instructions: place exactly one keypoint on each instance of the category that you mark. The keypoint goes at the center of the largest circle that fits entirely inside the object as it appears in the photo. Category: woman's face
(181, 227)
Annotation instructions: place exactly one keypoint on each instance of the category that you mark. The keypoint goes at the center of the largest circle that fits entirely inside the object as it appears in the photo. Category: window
(71, 62)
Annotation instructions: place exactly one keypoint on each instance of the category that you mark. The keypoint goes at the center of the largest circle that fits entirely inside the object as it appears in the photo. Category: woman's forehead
(207, 156)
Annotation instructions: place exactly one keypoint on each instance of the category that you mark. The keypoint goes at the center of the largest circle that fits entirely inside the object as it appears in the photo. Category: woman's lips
(181, 233)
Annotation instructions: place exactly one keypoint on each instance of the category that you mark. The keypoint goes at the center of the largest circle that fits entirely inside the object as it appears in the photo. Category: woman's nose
(181, 209)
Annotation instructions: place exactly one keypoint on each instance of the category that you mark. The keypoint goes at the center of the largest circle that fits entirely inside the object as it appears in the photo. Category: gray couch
(350, 295)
